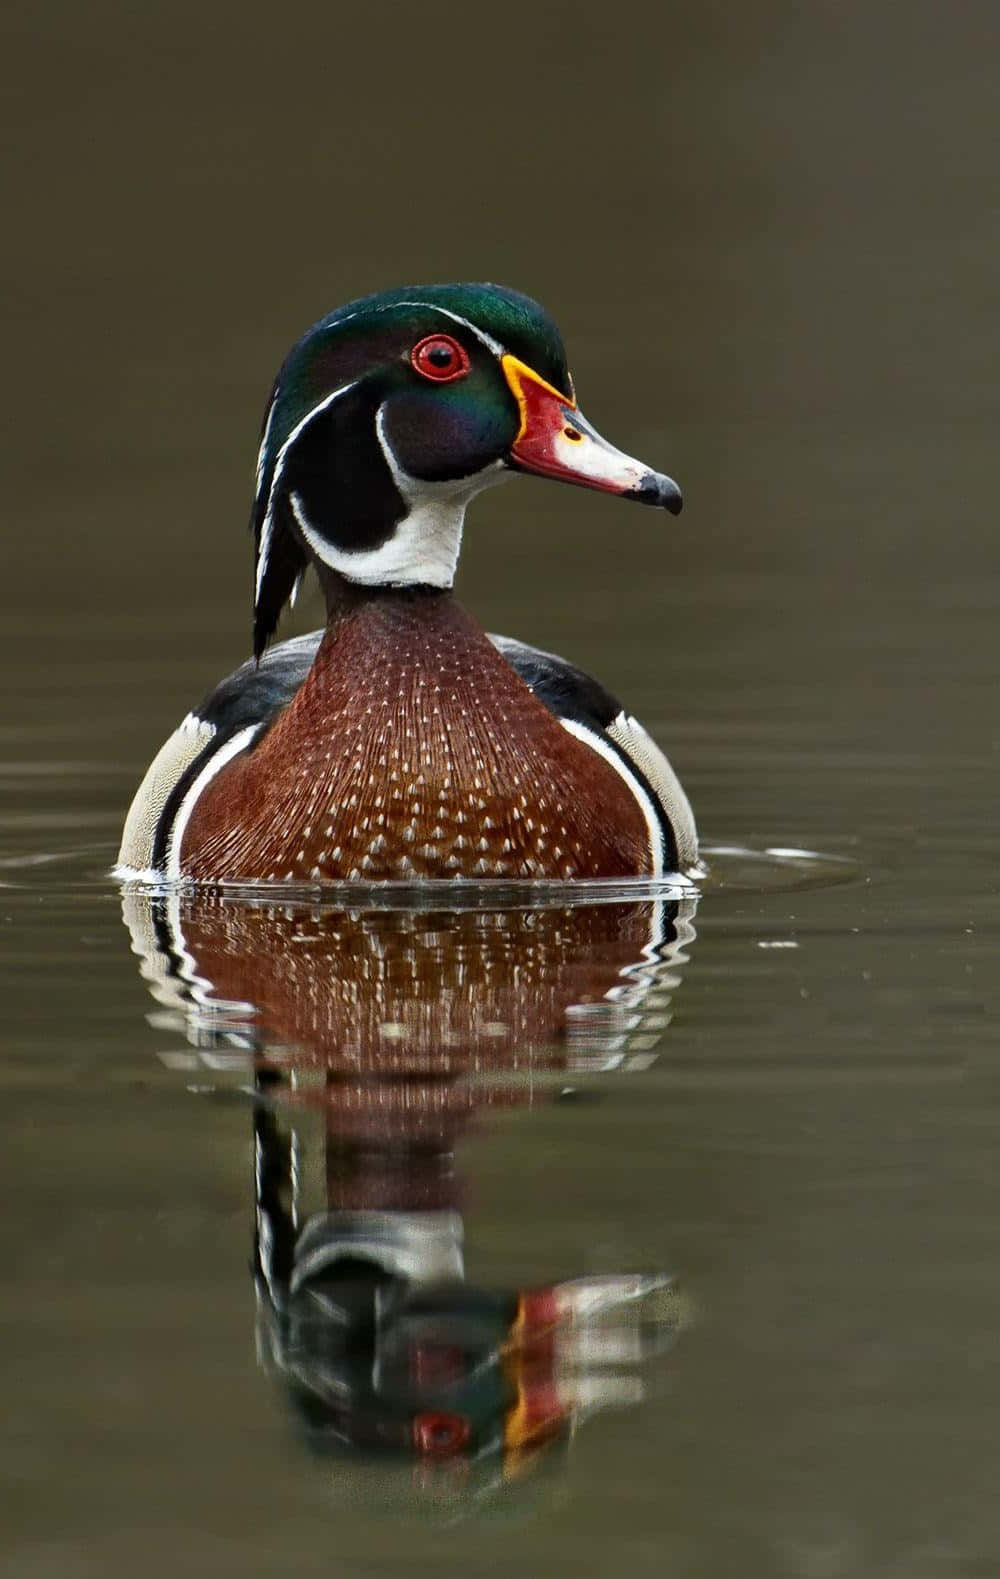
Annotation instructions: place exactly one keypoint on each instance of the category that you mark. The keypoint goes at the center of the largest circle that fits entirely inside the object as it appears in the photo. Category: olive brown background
(769, 233)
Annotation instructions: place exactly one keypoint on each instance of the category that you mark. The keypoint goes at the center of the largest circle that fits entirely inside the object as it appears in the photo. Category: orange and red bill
(556, 440)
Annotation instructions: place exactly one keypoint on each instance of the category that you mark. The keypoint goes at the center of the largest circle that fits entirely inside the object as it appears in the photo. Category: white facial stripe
(263, 552)
(610, 755)
(267, 528)
(480, 334)
(423, 549)
(265, 437)
(440, 515)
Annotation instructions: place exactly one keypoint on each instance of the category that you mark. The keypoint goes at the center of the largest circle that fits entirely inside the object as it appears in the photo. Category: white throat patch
(423, 550)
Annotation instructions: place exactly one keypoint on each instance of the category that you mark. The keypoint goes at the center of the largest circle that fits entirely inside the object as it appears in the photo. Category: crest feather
(281, 562)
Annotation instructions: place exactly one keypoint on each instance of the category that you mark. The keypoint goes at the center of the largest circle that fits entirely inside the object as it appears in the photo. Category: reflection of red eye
(440, 358)
(437, 1435)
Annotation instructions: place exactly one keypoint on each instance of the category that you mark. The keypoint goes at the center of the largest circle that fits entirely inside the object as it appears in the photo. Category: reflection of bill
(393, 1027)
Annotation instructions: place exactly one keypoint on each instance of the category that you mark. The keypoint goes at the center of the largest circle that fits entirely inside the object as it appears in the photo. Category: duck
(402, 742)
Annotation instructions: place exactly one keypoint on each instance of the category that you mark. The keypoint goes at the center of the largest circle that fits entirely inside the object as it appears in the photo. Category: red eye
(440, 358)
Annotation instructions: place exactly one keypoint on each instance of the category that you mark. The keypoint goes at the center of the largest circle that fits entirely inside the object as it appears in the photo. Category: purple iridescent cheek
(439, 434)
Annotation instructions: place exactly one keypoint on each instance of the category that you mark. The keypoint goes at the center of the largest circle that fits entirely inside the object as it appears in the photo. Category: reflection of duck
(394, 1026)
(380, 1344)
(403, 742)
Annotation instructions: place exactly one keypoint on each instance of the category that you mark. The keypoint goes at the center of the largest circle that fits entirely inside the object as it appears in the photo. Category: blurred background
(769, 232)
(769, 235)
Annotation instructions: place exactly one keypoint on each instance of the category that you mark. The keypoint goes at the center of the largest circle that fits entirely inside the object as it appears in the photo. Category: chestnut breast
(413, 750)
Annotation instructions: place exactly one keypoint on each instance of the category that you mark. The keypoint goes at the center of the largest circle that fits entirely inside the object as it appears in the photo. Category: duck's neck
(344, 598)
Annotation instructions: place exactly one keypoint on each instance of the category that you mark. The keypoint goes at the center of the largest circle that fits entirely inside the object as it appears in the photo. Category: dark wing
(565, 689)
(255, 693)
(596, 717)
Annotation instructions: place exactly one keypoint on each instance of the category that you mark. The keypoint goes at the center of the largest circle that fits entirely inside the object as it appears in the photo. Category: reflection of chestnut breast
(405, 991)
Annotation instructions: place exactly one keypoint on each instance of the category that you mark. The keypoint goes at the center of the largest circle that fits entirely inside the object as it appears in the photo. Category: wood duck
(403, 742)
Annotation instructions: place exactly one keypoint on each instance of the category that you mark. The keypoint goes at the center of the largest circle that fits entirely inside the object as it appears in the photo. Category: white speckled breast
(413, 749)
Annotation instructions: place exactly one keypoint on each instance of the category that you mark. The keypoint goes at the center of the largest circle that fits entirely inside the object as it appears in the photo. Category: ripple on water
(733, 868)
(773, 868)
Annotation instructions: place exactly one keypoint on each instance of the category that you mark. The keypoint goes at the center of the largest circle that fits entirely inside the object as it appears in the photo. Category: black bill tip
(659, 490)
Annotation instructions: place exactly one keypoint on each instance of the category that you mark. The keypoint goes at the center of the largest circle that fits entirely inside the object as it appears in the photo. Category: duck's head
(391, 413)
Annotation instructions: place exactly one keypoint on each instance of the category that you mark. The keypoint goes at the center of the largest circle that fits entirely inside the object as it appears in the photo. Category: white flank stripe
(600, 745)
(215, 763)
(640, 747)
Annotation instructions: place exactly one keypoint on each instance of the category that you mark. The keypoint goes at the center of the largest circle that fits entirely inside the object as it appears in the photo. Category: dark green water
(770, 237)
